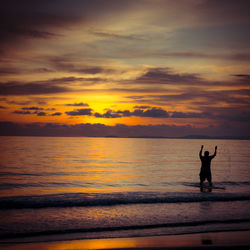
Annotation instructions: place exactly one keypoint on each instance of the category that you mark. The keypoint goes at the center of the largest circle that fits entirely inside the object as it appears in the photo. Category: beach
(122, 193)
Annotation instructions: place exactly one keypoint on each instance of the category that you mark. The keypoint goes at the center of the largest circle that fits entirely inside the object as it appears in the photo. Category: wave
(41, 184)
(41, 174)
(122, 228)
(118, 198)
(6, 186)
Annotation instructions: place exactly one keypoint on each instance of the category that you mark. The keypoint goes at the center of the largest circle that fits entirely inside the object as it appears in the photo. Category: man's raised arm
(215, 151)
(200, 154)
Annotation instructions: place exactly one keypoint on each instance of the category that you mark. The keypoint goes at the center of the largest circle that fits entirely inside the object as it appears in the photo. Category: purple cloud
(55, 129)
(31, 88)
(56, 114)
(20, 112)
(32, 108)
(80, 104)
(41, 113)
(79, 112)
(153, 113)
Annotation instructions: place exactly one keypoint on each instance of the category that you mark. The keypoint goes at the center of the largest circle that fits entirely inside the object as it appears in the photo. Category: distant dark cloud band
(55, 129)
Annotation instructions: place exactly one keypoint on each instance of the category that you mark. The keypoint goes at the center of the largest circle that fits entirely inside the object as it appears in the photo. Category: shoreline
(209, 240)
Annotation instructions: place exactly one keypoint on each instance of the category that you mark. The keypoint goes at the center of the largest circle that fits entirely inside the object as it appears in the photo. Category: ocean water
(77, 188)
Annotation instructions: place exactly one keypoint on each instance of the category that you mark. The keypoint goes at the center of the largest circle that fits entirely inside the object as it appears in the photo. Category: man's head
(206, 153)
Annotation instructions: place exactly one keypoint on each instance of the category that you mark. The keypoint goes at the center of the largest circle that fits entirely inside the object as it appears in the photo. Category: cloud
(27, 112)
(141, 107)
(20, 112)
(56, 114)
(153, 113)
(176, 114)
(165, 76)
(32, 33)
(168, 77)
(80, 104)
(4, 99)
(196, 97)
(45, 19)
(2, 107)
(243, 77)
(32, 88)
(65, 79)
(31, 20)
(36, 111)
(110, 35)
(56, 129)
(79, 112)
(69, 64)
(32, 108)
(4, 70)
(41, 113)
(108, 114)
(235, 113)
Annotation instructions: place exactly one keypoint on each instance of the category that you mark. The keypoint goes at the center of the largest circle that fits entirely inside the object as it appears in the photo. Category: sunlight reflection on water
(32, 165)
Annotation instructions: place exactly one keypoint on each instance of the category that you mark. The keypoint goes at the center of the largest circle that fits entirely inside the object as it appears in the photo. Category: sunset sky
(125, 67)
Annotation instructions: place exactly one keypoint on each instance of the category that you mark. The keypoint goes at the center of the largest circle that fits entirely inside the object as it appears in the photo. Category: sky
(125, 67)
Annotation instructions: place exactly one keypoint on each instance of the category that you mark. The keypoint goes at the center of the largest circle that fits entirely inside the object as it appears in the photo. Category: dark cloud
(8, 70)
(67, 64)
(80, 104)
(44, 19)
(41, 113)
(79, 112)
(141, 107)
(66, 79)
(42, 70)
(233, 114)
(167, 99)
(24, 20)
(243, 78)
(108, 114)
(36, 111)
(231, 56)
(2, 107)
(239, 116)
(56, 114)
(31, 88)
(153, 113)
(165, 76)
(188, 115)
(110, 35)
(225, 10)
(54, 129)
(32, 108)
(3, 99)
(20, 112)
(197, 97)
(32, 33)
(27, 112)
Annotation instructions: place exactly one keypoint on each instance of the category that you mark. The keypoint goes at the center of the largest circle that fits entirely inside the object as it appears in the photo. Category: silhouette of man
(205, 172)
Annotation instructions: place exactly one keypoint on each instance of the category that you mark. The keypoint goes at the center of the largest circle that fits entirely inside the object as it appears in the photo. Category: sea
(57, 188)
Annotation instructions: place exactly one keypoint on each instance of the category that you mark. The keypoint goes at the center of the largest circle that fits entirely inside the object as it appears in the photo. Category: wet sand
(218, 240)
